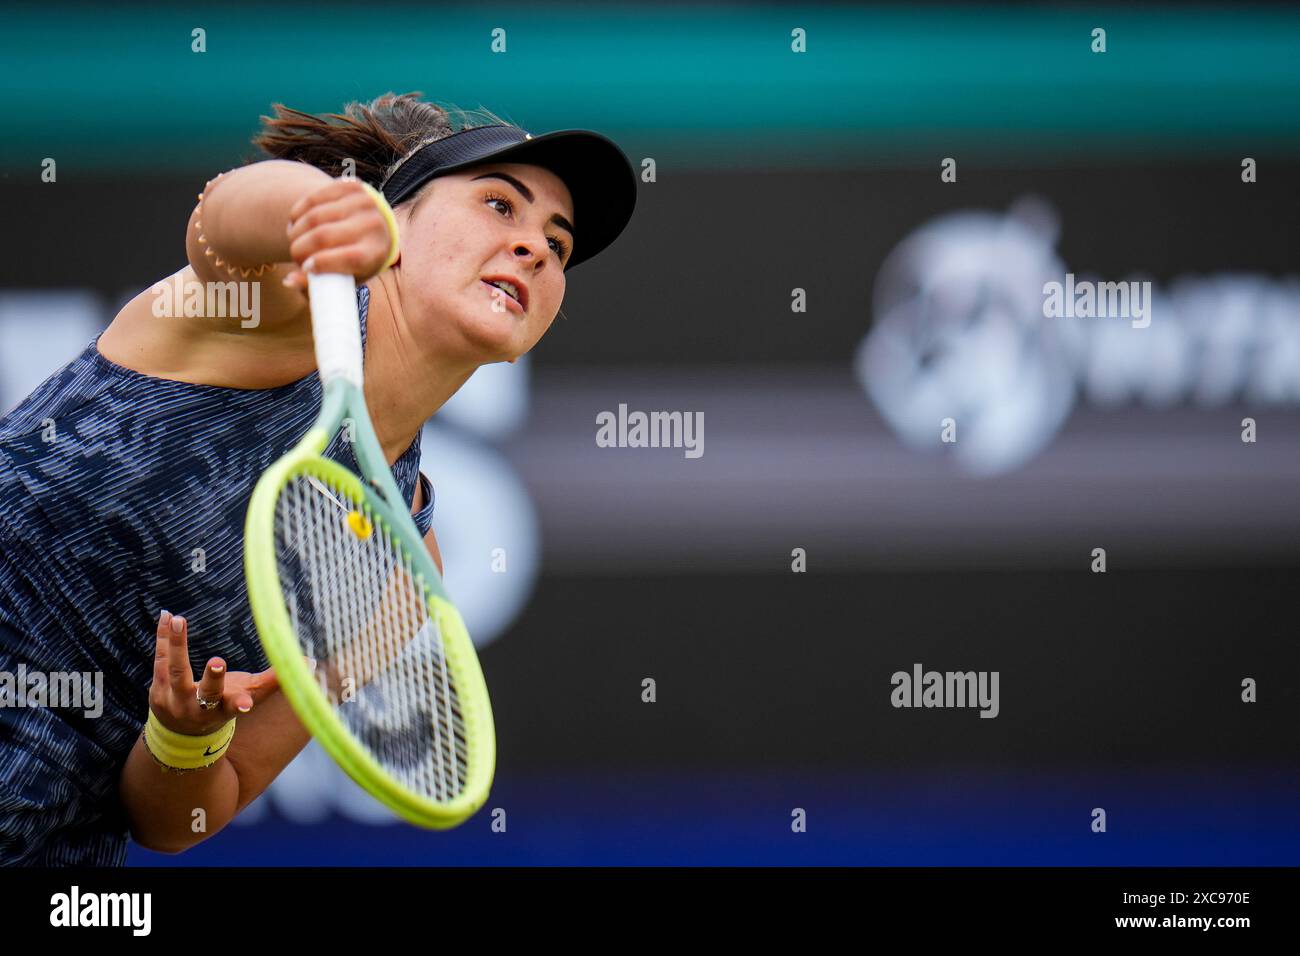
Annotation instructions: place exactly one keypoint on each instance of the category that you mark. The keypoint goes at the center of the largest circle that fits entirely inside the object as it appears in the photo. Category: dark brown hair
(376, 136)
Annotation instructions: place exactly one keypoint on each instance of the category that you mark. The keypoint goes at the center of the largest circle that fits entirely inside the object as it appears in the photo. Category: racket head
(396, 695)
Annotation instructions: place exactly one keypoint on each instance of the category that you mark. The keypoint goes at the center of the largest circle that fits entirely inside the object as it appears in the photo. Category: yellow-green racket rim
(305, 694)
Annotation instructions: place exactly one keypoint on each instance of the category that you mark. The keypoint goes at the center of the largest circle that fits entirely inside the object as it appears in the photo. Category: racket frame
(342, 399)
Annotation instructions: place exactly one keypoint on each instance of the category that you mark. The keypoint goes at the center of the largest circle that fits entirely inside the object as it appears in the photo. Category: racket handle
(335, 326)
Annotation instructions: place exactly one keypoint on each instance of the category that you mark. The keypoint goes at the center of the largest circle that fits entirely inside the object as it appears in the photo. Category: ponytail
(374, 136)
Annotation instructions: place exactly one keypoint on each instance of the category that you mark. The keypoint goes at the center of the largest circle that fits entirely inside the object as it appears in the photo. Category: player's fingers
(160, 649)
(304, 246)
(239, 700)
(231, 705)
(263, 685)
(334, 210)
(355, 260)
(324, 196)
(213, 684)
(365, 231)
(304, 203)
(178, 657)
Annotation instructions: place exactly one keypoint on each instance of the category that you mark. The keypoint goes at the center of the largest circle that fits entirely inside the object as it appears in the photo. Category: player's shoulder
(207, 333)
(38, 415)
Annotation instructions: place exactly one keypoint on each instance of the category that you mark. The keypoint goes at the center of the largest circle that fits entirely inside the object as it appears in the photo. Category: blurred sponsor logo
(959, 332)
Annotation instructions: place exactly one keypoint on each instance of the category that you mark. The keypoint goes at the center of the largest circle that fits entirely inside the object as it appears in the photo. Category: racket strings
(361, 612)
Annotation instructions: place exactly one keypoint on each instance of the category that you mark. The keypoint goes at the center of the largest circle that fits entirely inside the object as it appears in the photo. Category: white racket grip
(335, 326)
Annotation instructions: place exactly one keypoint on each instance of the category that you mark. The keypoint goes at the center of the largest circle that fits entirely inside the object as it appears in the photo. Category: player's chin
(495, 336)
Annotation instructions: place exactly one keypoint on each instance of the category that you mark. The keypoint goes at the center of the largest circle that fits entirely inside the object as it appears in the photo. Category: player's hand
(337, 228)
(173, 697)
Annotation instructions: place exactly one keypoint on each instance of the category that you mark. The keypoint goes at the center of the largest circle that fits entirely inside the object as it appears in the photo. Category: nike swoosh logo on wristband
(209, 752)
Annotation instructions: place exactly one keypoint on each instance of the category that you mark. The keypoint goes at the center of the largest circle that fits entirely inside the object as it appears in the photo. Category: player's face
(474, 224)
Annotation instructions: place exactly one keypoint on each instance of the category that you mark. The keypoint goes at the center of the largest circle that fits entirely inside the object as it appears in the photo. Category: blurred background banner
(834, 252)
(694, 84)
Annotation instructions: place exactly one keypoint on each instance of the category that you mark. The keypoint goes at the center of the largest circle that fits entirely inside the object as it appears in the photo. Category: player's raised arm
(261, 222)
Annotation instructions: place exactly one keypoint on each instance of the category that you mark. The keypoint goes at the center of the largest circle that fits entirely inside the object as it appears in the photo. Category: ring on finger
(206, 704)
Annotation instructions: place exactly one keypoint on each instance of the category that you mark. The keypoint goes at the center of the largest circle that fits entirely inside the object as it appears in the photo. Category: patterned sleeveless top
(122, 494)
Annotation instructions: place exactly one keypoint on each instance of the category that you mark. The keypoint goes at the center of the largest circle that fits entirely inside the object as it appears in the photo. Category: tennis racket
(371, 653)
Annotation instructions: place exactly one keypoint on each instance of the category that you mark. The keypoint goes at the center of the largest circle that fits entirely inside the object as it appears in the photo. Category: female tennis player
(126, 475)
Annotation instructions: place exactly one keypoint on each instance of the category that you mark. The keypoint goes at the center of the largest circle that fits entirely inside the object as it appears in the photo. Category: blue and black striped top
(122, 494)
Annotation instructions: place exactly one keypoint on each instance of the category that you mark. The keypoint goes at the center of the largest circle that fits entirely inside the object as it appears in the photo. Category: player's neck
(404, 386)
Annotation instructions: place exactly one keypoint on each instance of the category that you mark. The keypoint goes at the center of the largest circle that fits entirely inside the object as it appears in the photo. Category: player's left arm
(272, 734)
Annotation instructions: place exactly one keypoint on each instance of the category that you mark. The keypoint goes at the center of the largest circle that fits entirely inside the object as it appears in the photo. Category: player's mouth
(511, 291)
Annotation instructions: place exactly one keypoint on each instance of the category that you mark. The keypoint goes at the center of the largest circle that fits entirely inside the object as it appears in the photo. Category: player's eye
(492, 197)
(561, 247)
